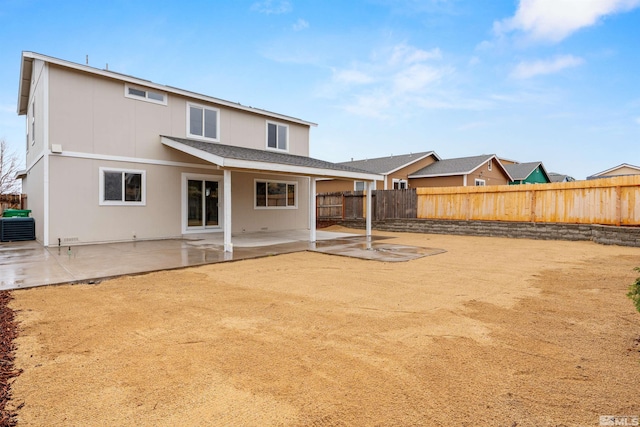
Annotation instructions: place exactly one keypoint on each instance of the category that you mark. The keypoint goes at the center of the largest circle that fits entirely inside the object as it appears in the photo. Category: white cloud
(554, 20)
(372, 105)
(272, 7)
(638, 120)
(404, 54)
(300, 25)
(416, 77)
(528, 69)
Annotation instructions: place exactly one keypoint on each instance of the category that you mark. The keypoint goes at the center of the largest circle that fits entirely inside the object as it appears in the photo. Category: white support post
(370, 185)
(312, 210)
(228, 246)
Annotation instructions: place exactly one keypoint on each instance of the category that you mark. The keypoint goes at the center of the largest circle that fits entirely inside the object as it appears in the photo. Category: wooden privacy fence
(11, 201)
(385, 204)
(608, 201)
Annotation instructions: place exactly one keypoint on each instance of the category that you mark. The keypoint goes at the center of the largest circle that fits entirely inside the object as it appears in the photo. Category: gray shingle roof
(383, 165)
(559, 177)
(263, 156)
(520, 171)
(457, 166)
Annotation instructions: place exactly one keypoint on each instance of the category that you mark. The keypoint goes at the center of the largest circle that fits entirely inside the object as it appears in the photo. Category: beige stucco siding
(33, 187)
(38, 86)
(90, 114)
(248, 218)
(76, 215)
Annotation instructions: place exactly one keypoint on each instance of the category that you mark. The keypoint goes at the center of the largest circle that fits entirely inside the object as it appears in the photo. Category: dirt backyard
(494, 332)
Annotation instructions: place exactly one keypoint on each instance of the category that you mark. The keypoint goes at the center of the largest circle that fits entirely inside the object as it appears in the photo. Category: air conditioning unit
(17, 229)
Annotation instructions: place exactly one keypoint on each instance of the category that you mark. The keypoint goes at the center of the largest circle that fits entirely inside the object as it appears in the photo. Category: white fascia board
(298, 170)
(431, 153)
(216, 160)
(163, 88)
(24, 85)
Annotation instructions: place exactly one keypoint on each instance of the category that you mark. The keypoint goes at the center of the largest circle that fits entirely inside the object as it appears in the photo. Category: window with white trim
(122, 187)
(275, 194)
(203, 122)
(277, 136)
(400, 184)
(480, 182)
(142, 94)
(490, 164)
(358, 185)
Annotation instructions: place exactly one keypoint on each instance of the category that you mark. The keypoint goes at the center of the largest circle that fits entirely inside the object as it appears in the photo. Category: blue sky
(550, 80)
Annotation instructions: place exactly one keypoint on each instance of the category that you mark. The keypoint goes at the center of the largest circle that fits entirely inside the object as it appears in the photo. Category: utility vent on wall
(17, 229)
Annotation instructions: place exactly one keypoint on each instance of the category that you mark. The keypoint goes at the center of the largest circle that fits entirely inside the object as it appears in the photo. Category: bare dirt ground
(494, 332)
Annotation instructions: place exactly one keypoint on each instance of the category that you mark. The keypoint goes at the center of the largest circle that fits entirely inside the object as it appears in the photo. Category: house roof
(559, 177)
(390, 164)
(521, 171)
(25, 84)
(457, 166)
(623, 165)
(228, 156)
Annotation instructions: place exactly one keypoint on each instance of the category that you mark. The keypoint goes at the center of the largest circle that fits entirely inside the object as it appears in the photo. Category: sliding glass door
(202, 204)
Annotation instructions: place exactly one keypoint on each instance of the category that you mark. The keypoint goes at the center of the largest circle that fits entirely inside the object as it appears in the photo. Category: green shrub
(634, 291)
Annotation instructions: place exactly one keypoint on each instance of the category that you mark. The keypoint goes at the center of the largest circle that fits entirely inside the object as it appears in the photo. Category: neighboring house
(463, 171)
(620, 170)
(527, 173)
(558, 177)
(111, 157)
(395, 171)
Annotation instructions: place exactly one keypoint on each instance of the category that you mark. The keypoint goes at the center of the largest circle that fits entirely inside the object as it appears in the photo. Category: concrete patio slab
(29, 264)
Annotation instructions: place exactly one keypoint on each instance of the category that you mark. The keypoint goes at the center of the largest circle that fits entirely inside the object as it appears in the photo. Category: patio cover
(229, 158)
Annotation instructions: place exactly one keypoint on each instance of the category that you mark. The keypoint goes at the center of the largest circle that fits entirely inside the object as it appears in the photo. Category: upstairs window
(490, 164)
(145, 94)
(122, 187)
(277, 136)
(33, 122)
(203, 122)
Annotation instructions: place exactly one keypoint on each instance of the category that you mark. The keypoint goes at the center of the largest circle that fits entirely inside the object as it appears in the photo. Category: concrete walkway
(29, 264)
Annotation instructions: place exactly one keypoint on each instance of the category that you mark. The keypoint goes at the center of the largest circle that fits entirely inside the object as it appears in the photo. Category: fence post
(618, 206)
(533, 206)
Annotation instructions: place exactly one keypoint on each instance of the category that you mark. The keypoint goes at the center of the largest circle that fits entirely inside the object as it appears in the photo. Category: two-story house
(111, 157)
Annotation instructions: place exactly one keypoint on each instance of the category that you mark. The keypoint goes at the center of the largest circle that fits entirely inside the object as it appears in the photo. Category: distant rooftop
(385, 165)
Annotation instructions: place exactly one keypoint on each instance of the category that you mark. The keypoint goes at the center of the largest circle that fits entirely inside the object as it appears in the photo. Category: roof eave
(164, 88)
(230, 163)
(430, 153)
(24, 86)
